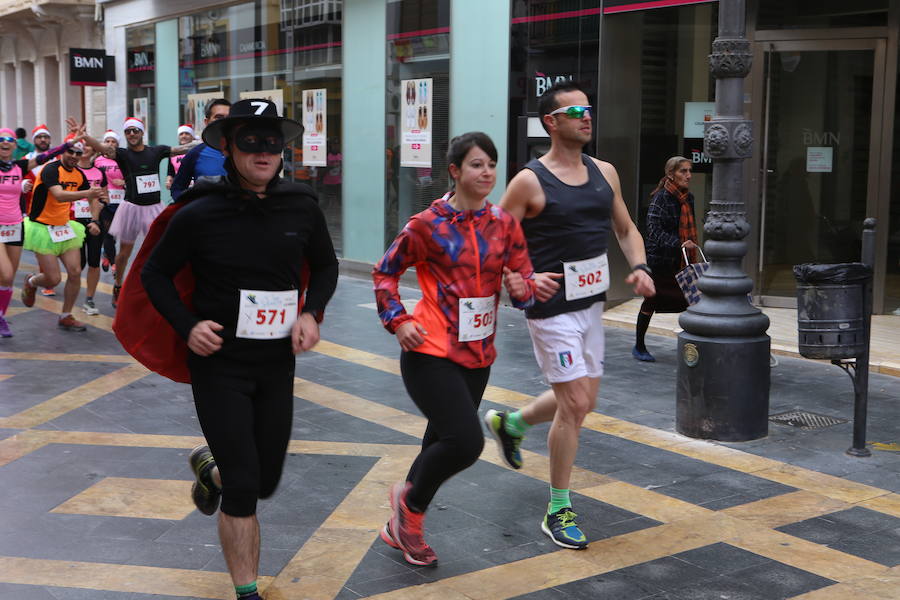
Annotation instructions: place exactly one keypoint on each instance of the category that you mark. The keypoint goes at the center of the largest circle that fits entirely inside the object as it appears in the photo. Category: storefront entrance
(820, 124)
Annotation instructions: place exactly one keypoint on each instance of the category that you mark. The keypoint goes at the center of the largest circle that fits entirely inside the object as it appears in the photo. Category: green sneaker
(509, 444)
(563, 530)
(205, 493)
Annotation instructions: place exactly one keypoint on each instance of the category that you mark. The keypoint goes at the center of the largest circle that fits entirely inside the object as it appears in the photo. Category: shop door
(819, 156)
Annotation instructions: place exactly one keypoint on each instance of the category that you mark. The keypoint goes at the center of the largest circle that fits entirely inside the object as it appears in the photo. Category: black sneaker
(563, 530)
(509, 444)
(205, 493)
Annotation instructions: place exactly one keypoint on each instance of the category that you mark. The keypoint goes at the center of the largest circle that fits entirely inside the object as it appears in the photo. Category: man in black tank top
(568, 203)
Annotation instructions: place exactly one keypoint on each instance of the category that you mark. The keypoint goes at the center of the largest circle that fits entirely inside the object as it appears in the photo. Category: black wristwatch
(643, 267)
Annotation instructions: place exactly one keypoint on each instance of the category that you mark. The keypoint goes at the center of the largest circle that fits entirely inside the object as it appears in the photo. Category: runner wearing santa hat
(116, 194)
(140, 166)
(185, 136)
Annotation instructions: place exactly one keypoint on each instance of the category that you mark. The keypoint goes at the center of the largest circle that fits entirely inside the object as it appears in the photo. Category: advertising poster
(415, 123)
(195, 109)
(276, 96)
(315, 128)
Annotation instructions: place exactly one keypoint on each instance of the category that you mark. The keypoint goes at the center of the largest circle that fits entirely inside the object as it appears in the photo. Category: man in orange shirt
(50, 234)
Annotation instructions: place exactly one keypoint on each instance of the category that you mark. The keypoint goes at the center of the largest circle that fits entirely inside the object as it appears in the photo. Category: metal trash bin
(831, 315)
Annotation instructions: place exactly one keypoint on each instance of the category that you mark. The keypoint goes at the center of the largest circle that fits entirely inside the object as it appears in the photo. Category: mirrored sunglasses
(255, 142)
(573, 112)
(8, 139)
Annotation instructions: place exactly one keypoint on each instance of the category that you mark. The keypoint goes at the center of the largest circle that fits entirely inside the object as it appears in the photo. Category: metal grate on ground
(805, 420)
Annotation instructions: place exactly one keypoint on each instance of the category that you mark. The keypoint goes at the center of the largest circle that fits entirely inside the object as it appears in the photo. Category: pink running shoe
(405, 529)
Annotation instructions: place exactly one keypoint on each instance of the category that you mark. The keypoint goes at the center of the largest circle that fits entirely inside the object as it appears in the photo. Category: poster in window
(276, 96)
(315, 128)
(819, 159)
(195, 109)
(415, 122)
(140, 111)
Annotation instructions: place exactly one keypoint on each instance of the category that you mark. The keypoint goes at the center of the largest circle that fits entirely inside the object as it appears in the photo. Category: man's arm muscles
(519, 194)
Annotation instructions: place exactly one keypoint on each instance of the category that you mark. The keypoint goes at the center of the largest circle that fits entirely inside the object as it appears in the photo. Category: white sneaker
(89, 307)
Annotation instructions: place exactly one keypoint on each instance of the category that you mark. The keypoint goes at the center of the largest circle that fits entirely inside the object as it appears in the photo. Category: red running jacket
(457, 254)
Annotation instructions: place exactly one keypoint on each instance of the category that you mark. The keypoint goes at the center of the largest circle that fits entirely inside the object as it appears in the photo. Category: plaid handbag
(688, 276)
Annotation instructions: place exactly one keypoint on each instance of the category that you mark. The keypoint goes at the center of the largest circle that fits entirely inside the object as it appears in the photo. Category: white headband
(133, 122)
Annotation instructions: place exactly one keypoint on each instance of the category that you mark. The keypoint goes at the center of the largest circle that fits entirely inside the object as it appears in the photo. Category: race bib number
(10, 233)
(477, 318)
(60, 233)
(116, 196)
(587, 277)
(147, 184)
(81, 209)
(266, 315)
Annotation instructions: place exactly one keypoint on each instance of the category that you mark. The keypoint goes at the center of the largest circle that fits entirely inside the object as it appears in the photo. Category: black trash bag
(840, 273)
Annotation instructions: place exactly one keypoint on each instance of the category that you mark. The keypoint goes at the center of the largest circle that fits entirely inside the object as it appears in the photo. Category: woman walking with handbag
(671, 233)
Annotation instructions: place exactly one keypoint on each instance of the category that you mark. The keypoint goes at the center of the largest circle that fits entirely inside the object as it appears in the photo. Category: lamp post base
(723, 387)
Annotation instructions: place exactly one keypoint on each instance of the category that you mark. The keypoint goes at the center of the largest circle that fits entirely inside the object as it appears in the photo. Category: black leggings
(90, 249)
(245, 411)
(109, 242)
(448, 395)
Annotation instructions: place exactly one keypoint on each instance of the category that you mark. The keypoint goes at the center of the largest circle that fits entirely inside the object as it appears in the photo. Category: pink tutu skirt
(132, 220)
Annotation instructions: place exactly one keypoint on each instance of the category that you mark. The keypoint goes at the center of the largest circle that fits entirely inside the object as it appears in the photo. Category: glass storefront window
(141, 96)
(892, 281)
(655, 78)
(550, 41)
(277, 49)
(821, 14)
(418, 48)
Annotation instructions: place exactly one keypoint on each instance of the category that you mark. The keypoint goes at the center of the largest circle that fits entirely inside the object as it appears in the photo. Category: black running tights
(448, 395)
(245, 411)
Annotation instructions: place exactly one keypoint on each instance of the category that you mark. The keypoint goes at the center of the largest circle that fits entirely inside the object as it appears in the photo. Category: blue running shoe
(563, 530)
(642, 355)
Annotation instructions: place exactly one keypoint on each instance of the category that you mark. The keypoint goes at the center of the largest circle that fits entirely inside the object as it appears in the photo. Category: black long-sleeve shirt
(233, 241)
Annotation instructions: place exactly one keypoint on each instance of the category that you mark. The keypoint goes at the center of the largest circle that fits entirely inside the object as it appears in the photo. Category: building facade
(35, 38)
(382, 85)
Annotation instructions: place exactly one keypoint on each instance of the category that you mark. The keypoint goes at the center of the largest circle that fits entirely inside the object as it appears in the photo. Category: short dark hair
(547, 102)
(21, 133)
(215, 102)
(461, 144)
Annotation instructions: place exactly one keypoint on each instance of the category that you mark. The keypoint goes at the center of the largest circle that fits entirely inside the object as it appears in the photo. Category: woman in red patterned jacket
(464, 248)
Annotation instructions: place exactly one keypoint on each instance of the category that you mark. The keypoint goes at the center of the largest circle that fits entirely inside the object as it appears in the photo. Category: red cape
(141, 330)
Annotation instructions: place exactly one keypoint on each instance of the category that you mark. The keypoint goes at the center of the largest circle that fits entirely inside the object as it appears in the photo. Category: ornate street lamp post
(723, 367)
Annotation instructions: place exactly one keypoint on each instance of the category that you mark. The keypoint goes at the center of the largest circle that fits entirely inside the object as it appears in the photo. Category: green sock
(245, 591)
(558, 499)
(516, 425)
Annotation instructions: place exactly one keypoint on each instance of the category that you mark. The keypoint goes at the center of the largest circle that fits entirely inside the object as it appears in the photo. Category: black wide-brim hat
(257, 111)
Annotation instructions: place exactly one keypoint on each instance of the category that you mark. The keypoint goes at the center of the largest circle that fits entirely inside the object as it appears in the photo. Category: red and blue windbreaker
(457, 254)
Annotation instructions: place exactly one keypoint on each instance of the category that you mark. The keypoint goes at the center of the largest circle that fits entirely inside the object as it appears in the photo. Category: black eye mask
(255, 140)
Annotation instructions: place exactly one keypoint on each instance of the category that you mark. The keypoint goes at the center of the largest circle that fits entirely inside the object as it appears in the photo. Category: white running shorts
(570, 345)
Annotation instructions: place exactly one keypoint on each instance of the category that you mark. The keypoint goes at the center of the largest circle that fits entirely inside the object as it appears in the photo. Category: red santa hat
(134, 122)
(111, 134)
(39, 130)
(186, 128)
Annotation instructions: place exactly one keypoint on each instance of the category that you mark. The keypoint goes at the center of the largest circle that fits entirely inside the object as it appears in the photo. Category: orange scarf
(687, 228)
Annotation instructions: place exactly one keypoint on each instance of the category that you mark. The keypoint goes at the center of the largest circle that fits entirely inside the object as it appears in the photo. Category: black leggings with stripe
(448, 395)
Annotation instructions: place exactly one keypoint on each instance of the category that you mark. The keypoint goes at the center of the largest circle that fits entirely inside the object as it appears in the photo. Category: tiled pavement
(94, 500)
